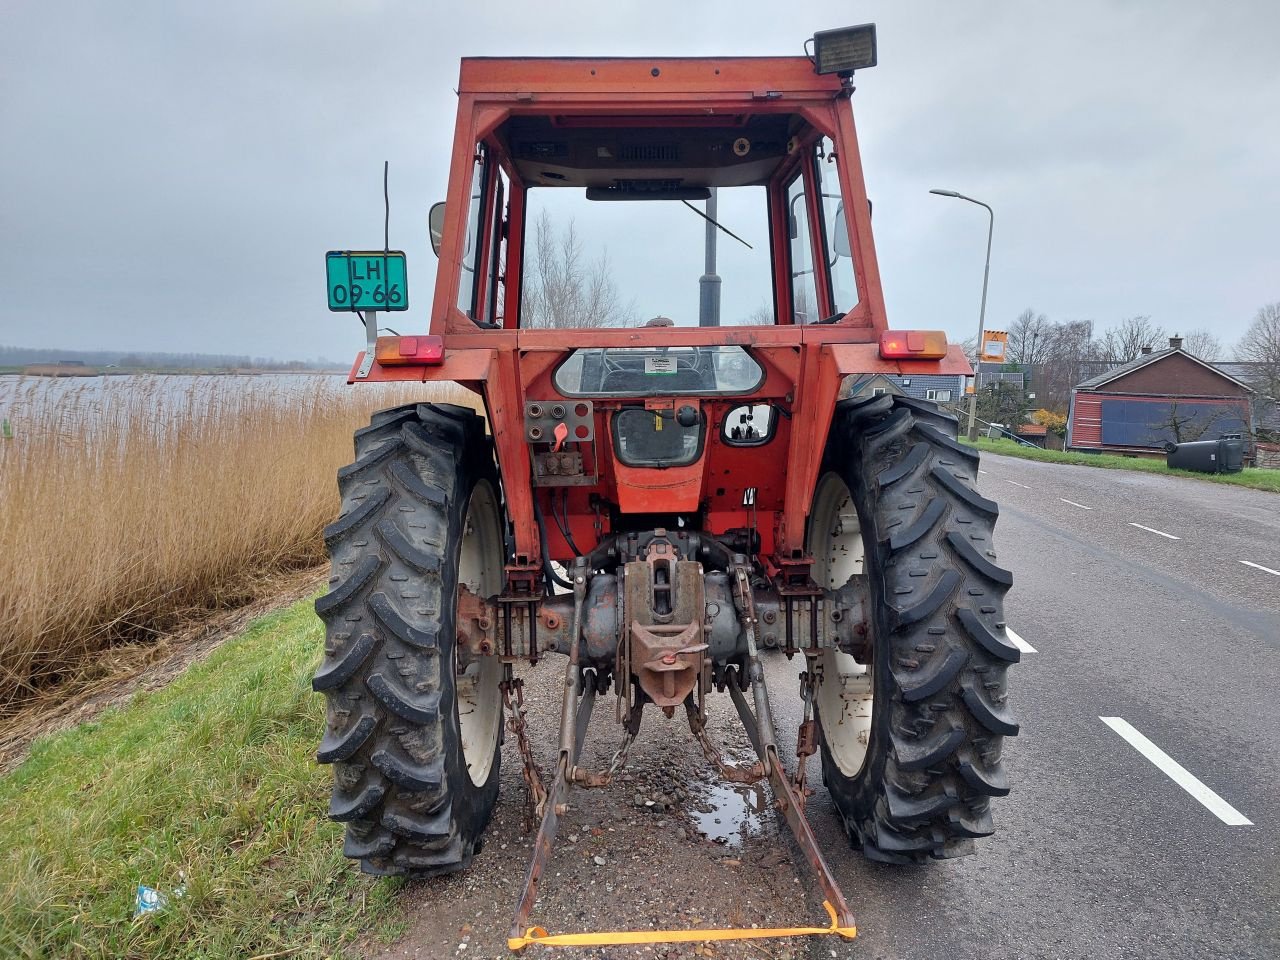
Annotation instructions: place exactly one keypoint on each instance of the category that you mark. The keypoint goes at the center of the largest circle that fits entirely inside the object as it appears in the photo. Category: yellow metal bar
(535, 936)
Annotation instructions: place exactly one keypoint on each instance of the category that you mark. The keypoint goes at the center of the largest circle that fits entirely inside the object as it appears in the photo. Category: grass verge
(209, 783)
(1249, 477)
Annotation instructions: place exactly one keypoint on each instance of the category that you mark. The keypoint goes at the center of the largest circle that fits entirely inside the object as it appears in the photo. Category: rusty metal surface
(792, 808)
(668, 660)
(536, 793)
(600, 621)
(807, 734)
(732, 772)
(664, 607)
(603, 778)
(477, 624)
(563, 469)
(790, 800)
(542, 847)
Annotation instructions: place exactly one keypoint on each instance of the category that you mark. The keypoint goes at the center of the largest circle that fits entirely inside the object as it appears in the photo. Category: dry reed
(129, 505)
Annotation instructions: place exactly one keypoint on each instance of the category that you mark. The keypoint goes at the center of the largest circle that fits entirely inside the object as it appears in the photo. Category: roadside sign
(994, 343)
(367, 280)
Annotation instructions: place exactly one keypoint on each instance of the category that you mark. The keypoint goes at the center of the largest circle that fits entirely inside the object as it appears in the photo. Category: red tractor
(659, 502)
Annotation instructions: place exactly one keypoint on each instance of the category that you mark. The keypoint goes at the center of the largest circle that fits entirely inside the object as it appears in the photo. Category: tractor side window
(804, 290)
(835, 233)
(469, 285)
(495, 302)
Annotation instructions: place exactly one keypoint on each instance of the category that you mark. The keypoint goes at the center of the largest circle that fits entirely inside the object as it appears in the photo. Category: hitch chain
(807, 737)
(602, 778)
(535, 792)
(731, 772)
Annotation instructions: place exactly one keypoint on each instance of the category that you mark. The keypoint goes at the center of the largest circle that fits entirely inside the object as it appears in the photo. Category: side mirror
(435, 224)
(840, 242)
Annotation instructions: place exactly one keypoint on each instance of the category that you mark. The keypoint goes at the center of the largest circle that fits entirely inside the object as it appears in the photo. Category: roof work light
(845, 50)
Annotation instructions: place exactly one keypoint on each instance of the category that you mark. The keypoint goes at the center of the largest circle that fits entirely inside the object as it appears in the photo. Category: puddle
(731, 814)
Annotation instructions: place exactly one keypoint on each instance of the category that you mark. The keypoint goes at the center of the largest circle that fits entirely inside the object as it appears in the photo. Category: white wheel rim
(476, 687)
(845, 694)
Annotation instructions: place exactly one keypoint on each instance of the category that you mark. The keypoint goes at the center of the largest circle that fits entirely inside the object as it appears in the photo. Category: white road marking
(1074, 504)
(1018, 642)
(1157, 532)
(1178, 773)
(1258, 566)
(980, 470)
(1015, 483)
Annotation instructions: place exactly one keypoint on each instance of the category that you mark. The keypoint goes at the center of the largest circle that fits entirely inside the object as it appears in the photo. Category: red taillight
(409, 351)
(913, 344)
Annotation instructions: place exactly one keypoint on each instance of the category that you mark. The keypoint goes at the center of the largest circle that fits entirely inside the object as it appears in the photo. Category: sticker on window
(659, 364)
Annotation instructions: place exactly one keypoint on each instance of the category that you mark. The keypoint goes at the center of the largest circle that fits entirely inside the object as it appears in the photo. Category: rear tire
(911, 741)
(413, 735)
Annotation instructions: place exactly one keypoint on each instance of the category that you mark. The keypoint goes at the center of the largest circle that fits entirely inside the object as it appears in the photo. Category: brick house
(1162, 396)
(948, 388)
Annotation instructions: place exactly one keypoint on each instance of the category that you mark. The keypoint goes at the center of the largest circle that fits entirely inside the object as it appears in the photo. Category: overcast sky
(171, 173)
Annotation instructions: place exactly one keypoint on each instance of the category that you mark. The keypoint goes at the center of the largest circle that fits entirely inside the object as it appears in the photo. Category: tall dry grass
(129, 505)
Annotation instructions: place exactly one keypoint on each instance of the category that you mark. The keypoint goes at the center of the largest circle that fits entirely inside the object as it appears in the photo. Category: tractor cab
(642, 159)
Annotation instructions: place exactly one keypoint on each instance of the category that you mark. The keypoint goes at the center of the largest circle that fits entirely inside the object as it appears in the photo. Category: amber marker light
(409, 351)
(913, 345)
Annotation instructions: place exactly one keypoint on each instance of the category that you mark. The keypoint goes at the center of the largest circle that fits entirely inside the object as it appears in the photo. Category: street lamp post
(982, 311)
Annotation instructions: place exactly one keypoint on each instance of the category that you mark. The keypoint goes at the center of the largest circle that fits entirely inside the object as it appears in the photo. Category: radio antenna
(386, 206)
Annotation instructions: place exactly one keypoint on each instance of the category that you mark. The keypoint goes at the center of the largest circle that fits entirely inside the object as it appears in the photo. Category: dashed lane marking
(980, 470)
(1015, 483)
(1258, 566)
(1018, 642)
(1178, 773)
(1074, 504)
(1159, 533)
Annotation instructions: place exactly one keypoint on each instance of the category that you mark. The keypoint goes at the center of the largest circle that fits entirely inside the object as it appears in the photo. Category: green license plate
(366, 280)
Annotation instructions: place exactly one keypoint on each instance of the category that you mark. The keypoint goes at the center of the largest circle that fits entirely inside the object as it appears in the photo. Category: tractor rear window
(658, 371)
(655, 438)
(590, 263)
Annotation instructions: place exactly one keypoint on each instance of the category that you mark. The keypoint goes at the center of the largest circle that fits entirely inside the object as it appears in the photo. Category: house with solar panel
(1164, 396)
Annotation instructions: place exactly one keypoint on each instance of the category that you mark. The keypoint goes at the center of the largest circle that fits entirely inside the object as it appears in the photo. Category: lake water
(85, 407)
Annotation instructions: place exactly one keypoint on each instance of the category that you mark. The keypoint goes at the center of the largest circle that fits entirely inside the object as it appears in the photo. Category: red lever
(562, 432)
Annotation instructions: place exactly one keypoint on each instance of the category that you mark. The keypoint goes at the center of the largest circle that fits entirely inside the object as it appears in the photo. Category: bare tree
(760, 316)
(1124, 341)
(564, 289)
(1029, 338)
(1260, 346)
(1202, 344)
(1071, 347)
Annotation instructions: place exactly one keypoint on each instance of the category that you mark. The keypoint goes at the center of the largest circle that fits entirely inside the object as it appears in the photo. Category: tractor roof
(645, 78)
(643, 126)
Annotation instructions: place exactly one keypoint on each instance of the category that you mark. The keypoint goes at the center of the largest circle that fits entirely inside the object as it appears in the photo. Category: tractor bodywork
(802, 365)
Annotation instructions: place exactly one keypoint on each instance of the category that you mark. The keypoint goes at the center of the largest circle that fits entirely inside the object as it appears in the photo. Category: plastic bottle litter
(150, 900)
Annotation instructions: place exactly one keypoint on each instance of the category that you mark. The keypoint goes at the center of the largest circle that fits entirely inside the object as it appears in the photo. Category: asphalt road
(1098, 853)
